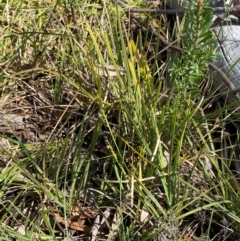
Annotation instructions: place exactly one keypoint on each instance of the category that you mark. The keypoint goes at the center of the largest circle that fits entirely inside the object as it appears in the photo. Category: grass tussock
(117, 137)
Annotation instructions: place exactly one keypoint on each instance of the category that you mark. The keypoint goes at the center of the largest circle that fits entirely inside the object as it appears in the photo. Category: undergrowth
(122, 139)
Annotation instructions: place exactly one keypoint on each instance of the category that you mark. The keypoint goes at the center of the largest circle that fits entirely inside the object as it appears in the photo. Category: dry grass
(99, 151)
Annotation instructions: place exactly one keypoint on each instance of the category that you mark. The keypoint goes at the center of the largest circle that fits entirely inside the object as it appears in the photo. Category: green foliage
(131, 135)
(188, 69)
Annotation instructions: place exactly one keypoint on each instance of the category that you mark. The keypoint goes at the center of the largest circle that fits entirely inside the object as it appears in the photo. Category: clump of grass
(120, 135)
